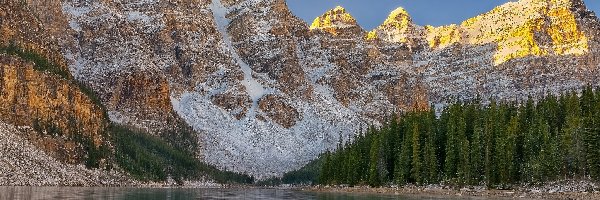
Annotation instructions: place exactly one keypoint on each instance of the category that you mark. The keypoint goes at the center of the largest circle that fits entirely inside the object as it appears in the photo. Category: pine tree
(522, 124)
(402, 169)
(490, 144)
(528, 141)
(384, 155)
(393, 144)
(452, 142)
(477, 154)
(353, 168)
(430, 162)
(464, 165)
(430, 155)
(339, 166)
(548, 158)
(507, 152)
(552, 111)
(366, 154)
(592, 134)
(416, 155)
(588, 107)
(593, 152)
(499, 144)
(570, 139)
(374, 180)
(532, 145)
(324, 177)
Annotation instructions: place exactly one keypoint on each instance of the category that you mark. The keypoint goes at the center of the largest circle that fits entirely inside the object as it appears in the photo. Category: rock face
(32, 98)
(24, 164)
(19, 26)
(266, 92)
(37, 90)
(127, 52)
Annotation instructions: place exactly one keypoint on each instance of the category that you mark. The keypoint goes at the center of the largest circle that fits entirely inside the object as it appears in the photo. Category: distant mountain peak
(399, 14)
(520, 29)
(339, 9)
(334, 20)
(399, 19)
(395, 28)
(399, 28)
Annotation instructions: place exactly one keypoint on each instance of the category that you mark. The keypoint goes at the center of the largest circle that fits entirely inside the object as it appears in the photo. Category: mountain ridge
(398, 27)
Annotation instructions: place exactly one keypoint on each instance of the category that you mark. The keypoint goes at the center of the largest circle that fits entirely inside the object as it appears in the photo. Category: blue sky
(371, 13)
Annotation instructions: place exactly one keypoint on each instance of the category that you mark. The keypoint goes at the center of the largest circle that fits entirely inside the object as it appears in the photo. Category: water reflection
(179, 193)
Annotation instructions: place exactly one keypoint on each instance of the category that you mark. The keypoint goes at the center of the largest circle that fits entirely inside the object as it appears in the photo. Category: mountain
(296, 101)
(399, 28)
(518, 49)
(249, 87)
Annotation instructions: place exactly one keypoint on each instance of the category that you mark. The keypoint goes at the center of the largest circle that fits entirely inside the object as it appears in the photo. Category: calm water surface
(177, 193)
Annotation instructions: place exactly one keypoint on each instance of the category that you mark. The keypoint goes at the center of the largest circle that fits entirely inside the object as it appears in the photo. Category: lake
(181, 193)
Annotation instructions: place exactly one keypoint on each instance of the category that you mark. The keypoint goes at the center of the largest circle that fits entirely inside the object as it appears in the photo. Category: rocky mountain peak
(398, 17)
(399, 28)
(519, 29)
(396, 26)
(334, 21)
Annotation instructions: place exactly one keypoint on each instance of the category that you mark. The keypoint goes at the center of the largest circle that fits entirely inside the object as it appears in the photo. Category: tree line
(470, 143)
(149, 158)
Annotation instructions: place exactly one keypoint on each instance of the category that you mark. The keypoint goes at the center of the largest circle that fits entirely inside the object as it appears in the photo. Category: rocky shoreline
(554, 190)
(24, 164)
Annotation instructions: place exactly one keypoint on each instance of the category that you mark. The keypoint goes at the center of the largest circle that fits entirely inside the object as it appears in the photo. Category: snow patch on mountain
(138, 16)
(254, 89)
(267, 149)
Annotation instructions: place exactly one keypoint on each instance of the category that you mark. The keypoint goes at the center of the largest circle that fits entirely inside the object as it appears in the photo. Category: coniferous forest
(494, 144)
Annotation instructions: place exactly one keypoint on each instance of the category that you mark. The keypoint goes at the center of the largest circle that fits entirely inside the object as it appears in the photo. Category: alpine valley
(247, 87)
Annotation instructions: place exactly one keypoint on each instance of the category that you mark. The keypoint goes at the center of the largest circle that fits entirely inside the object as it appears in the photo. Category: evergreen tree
(548, 158)
(430, 155)
(592, 133)
(353, 167)
(384, 155)
(477, 154)
(416, 155)
(374, 179)
(430, 162)
(339, 173)
(393, 139)
(490, 144)
(532, 146)
(570, 139)
(365, 154)
(324, 177)
(464, 165)
(507, 152)
(402, 173)
(552, 112)
(452, 144)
